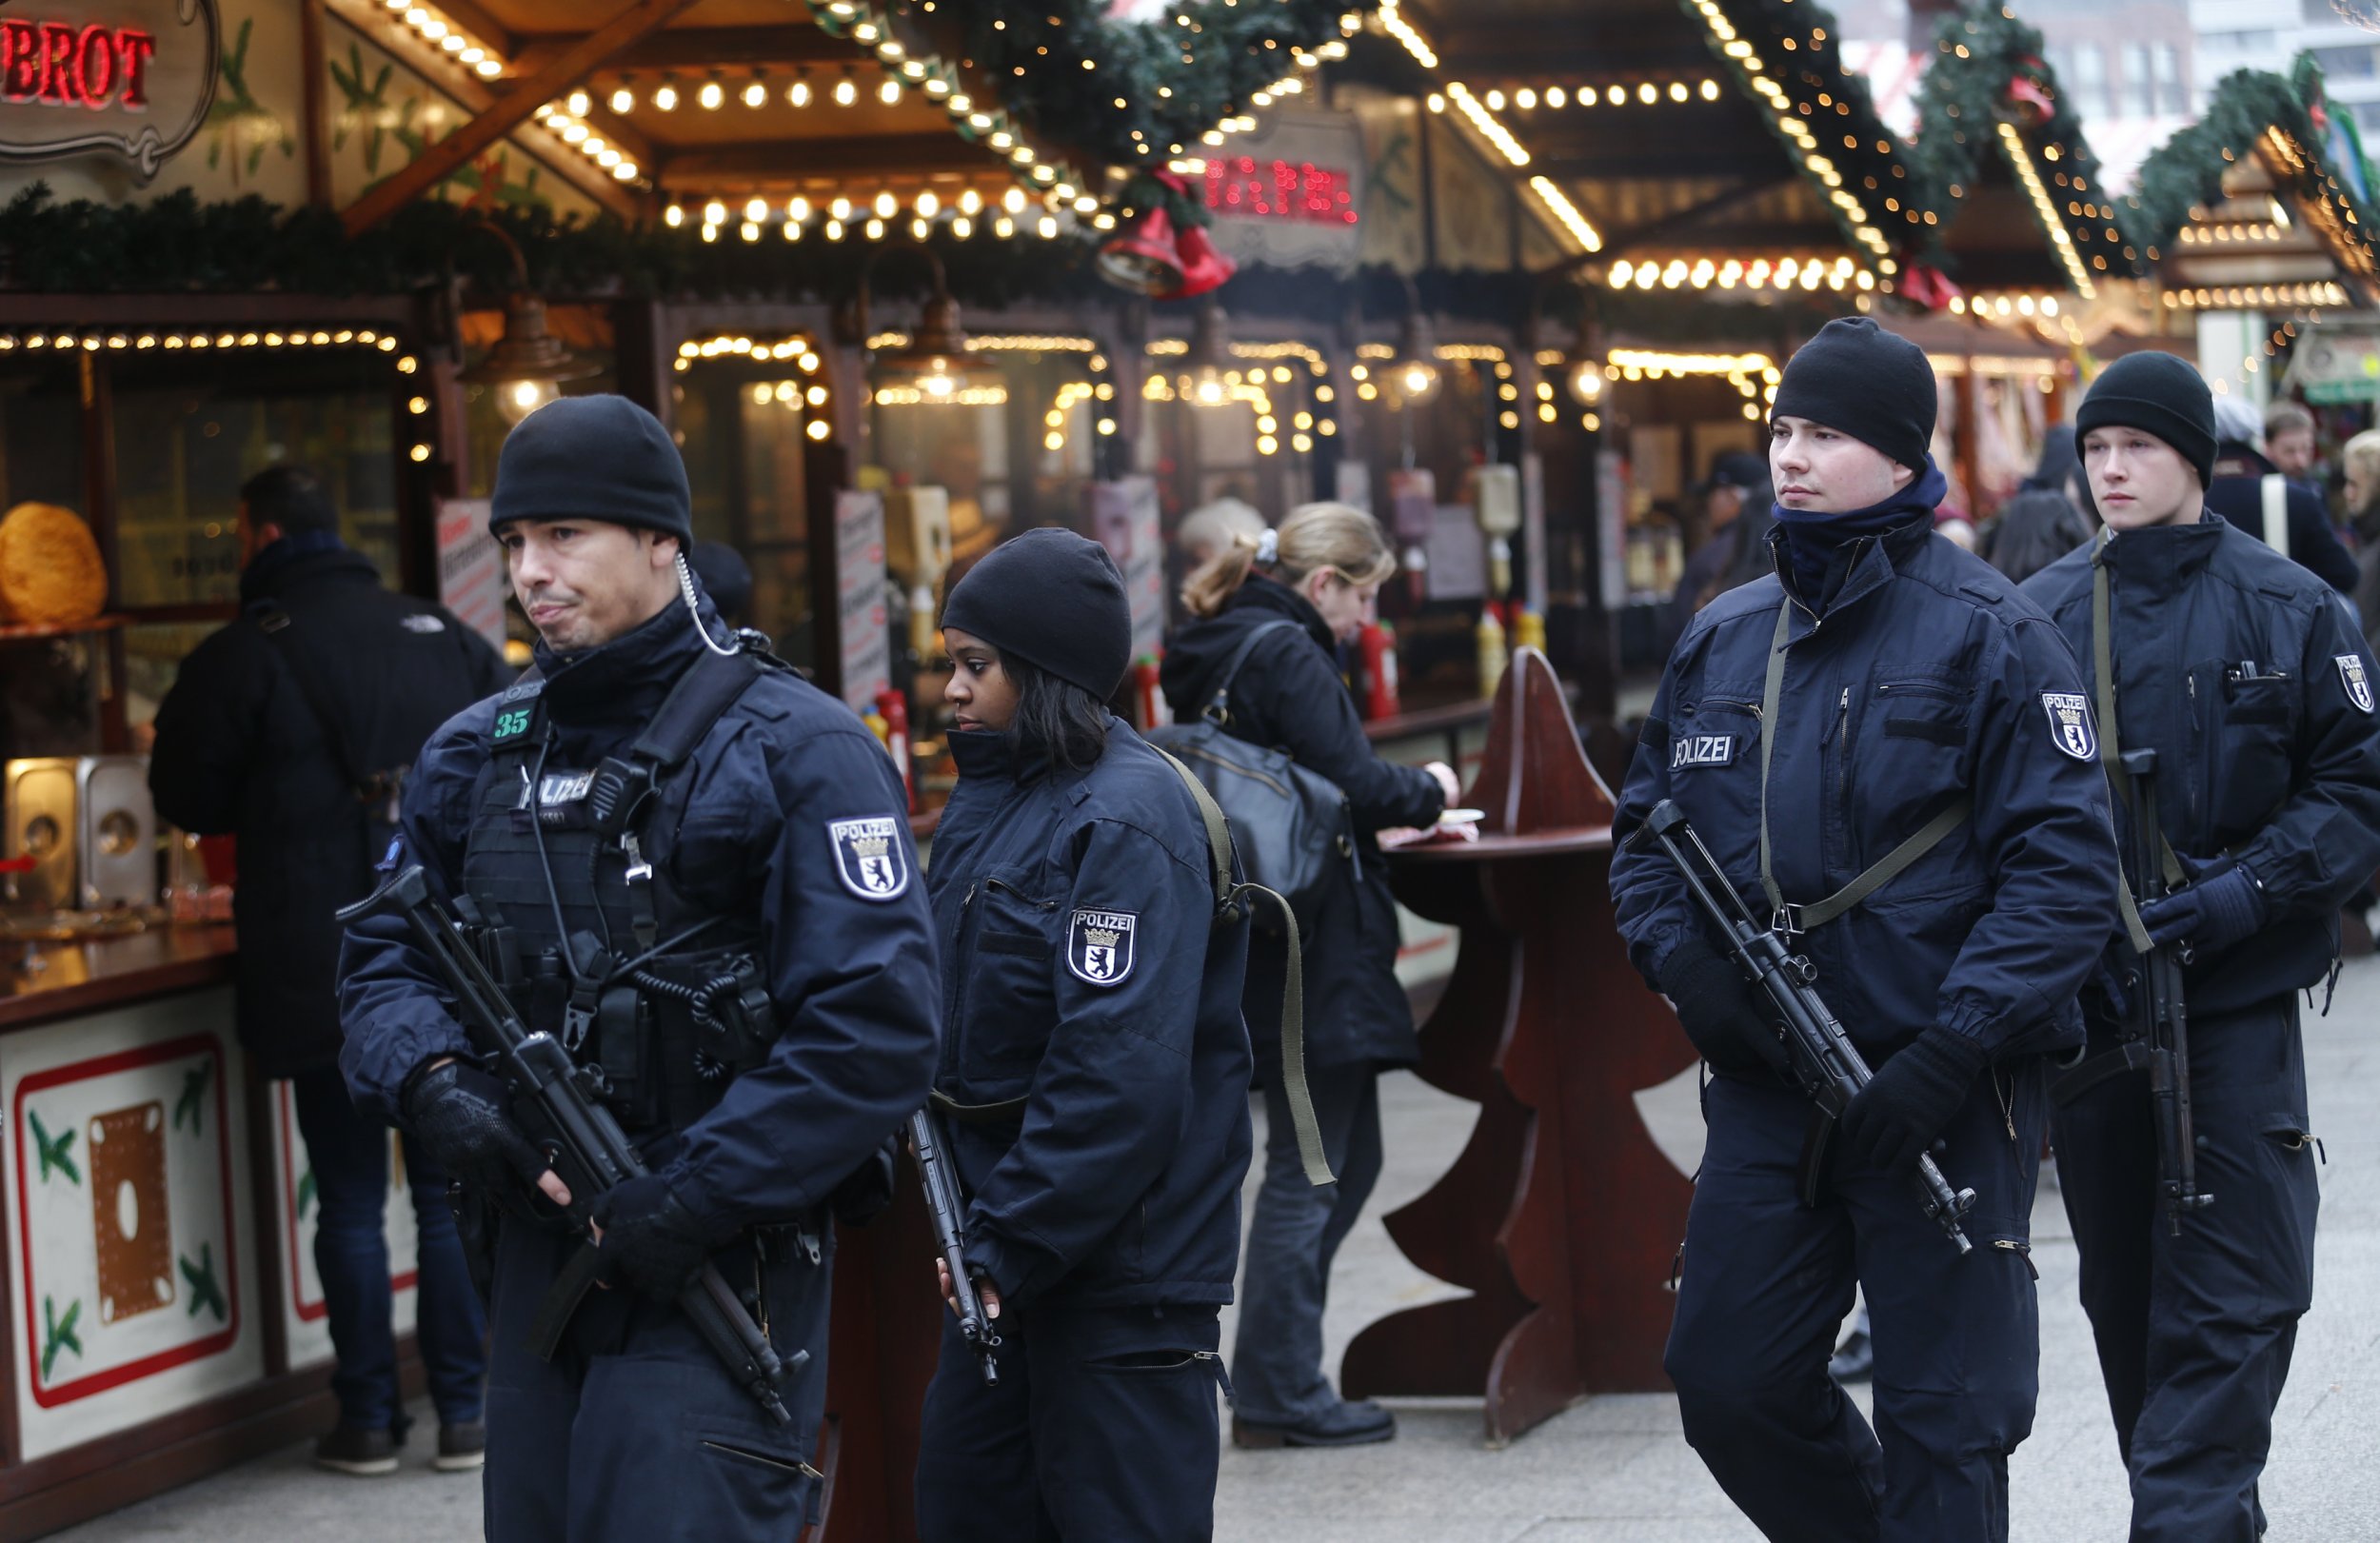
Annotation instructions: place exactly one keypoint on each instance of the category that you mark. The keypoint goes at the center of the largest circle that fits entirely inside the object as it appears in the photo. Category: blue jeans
(1277, 1356)
(350, 1155)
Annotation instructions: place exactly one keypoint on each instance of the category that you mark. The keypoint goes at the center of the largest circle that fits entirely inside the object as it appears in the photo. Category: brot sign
(126, 78)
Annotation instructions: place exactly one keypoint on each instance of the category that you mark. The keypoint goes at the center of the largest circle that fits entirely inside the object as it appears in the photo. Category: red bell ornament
(1203, 267)
(1142, 259)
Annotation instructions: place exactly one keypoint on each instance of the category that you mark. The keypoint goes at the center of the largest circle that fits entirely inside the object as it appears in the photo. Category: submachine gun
(1819, 1055)
(940, 1183)
(558, 1102)
(2157, 1039)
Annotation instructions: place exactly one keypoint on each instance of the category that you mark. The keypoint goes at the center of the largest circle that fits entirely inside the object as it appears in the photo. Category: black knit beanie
(1054, 600)
(1858, 379)
(593, 458)
(2160, 394)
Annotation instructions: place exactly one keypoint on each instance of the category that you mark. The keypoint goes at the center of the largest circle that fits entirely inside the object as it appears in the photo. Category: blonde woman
(1309, 586)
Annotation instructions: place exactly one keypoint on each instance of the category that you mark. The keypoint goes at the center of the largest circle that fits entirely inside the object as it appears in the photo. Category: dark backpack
(1293, 827)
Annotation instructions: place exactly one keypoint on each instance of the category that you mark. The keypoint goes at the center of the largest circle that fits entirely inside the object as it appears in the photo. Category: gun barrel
(941, 1202)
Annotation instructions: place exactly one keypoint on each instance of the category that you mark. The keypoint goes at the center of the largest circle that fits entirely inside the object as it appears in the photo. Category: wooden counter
(162, 1314)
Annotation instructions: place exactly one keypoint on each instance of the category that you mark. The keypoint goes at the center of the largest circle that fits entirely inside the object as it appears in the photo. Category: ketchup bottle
(894, 709)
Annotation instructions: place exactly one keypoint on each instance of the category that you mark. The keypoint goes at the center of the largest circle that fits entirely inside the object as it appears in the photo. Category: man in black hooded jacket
(290, 728)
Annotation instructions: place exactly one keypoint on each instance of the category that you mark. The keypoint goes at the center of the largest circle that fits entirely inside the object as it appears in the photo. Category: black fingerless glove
(1723, 1014)
(651, 1241)
(1901, 1113)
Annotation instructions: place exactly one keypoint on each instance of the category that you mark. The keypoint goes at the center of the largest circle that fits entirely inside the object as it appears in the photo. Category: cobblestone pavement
(1613, 1469)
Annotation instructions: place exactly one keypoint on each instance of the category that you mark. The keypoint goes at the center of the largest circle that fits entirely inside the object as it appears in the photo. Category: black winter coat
(1290, 696)
(1084, 974)
(2278, 769)
(2237, 494)
(241, 750)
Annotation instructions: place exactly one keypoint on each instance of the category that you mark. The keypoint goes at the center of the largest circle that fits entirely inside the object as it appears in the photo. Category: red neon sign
(1298, 190)
(94, 66)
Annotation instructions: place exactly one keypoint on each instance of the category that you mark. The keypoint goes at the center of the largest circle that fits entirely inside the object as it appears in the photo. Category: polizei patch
(2358, 684)
(1701, 750)
(1098, 945)
(869, 856)
(2070, 728)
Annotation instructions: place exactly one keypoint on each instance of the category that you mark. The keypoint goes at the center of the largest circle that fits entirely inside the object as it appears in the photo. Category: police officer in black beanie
(2240, 669)
(1883, 746)
(1094, 1079)
(752, 970)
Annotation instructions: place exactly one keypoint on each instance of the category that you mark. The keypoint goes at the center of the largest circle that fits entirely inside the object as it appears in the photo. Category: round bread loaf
(50, 568)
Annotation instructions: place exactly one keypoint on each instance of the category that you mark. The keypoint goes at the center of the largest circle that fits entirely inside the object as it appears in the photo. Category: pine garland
(1983, 50)
(2186, 173)
(178, 244)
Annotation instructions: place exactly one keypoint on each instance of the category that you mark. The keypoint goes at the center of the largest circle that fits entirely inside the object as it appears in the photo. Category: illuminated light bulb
(578, 104)
(490, 69)
(792, 230)
(927, 205)
(714, 213)
(622, 100)
(574, 132)
(1616, 95)
(846, 93)
(673, 216)
(1677, 90)
(886, 205)
(840, 208)
(749, 231)
(817, 429)
(1003, 227)
(711, 95)
(962, 227)
(1046, 229)
(1525, 99)
(666, 97)
(816, 395)
(755, 94)
(1437, 102)
(1556, 97)
(970, 201)
(1622, 272)
(834, 230)
(1013, 201)
(919, 227)
(889, 93)
(1496, 101)
(757, 210)
(875, 230)
(798, 210)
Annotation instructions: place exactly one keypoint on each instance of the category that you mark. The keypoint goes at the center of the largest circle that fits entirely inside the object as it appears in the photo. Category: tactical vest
(568, 877)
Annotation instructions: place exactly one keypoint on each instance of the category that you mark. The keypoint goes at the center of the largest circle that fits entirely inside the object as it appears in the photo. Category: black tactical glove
(1723, 1014)
(651, 1241)
(458, 1113)
(1901, 1113)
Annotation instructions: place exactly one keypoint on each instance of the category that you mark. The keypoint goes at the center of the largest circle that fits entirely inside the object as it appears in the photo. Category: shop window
(2090, 81)
(2173, 90)
(2347, 64)
(41, 435)
(2140, 100)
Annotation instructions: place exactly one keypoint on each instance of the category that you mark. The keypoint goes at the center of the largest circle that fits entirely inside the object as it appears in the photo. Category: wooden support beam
(511, 109)
(794, 162)
(696, 49)
(313, 112)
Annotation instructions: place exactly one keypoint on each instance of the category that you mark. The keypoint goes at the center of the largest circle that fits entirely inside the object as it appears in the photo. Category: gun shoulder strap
(2119, 782)
(1802, 919)
(1228, 893)
(2276, 513)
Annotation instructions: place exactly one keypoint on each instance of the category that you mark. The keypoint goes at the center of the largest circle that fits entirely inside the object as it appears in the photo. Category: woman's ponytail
(1209, 589)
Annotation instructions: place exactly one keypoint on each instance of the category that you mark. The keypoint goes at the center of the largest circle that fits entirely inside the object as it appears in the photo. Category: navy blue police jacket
(850, 971)
(2240, 668)
(1928, 679)
(1085, 973)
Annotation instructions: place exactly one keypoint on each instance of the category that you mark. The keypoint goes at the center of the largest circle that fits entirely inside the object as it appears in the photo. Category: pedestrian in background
(1884, 688)
(1094, 1072)
(1271, 610)
(2289, 440)
(2359, 462)
(292, 728)
(2249, 491)
(2245, 674)
(2034, 530)
(1735, 506)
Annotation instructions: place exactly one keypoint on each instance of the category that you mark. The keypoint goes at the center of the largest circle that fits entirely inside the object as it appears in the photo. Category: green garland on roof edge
(1813, 67)
(1960, 95)
(2186, 170)
(176, 245)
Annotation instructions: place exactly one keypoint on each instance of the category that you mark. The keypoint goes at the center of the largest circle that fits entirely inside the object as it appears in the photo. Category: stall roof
(2029, 209)
(2251, 207)
(1694, 144)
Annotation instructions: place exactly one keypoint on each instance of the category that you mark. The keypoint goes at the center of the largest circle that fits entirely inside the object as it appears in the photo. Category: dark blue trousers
(2195, 1330)
(1277, 1358)
(633, 1433)
(349, 1157)
(1767, 1283)
(1102, 1430)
